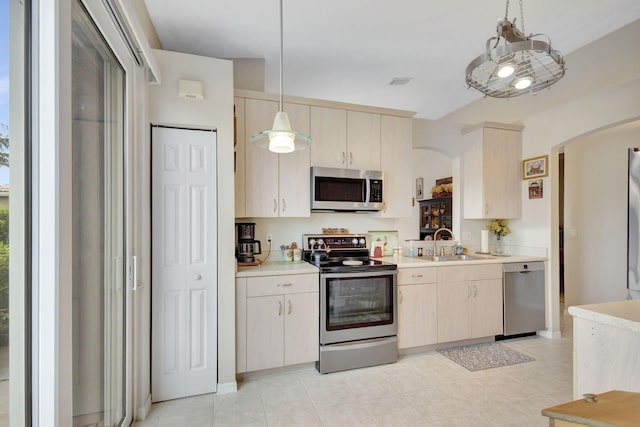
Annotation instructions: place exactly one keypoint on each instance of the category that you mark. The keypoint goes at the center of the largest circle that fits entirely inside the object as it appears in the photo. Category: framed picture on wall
(419, 188)
(535, 189)
(536, 167)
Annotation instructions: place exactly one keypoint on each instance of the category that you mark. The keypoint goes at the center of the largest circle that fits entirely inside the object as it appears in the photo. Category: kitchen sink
(454, 258)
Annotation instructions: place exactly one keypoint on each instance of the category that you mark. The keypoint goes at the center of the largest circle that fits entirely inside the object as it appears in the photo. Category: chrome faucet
(435, 245)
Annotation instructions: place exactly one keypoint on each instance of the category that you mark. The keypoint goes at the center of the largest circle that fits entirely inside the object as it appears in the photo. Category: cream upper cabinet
(469, 302)
(329, 134)
(417, 307)
(396, 136)
(492, 172)
(276, 185)
(239, 163)
(293, 170)
(363, 140)
(345, 139)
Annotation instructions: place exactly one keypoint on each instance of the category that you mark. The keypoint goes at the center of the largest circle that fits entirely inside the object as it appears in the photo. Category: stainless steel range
(358, 320)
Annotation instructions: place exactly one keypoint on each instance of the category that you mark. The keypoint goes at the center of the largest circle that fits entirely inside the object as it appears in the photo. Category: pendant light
(516, 64)
(280, 138)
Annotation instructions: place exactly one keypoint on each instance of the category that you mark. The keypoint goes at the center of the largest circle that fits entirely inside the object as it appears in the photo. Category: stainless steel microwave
(335, 189)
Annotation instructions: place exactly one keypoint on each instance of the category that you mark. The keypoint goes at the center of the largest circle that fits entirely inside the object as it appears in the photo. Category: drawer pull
(284, 285)
(416, 276)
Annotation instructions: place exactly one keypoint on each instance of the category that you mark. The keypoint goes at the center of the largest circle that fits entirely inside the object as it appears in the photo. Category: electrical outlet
(269, 237)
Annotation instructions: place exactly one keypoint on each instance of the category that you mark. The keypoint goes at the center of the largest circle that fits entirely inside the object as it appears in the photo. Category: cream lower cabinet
(417, 307)
(469, 302)
(277, 321)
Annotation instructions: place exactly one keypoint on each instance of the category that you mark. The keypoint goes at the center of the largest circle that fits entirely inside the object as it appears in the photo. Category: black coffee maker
(247, 247)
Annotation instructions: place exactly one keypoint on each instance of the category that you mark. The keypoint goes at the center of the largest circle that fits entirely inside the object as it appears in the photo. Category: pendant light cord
(281, 55)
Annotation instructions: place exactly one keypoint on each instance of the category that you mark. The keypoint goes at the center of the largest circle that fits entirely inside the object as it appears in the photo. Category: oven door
(357, 306)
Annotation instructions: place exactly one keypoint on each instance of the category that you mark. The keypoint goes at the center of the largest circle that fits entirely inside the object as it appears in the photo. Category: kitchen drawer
(410, 276)
(469, 272)
(279, 285)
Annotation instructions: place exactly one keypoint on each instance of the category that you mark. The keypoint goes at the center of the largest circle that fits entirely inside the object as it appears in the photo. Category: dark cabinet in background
(435, 214)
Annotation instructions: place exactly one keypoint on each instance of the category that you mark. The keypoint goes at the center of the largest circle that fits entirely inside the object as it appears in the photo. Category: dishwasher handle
(523, 267)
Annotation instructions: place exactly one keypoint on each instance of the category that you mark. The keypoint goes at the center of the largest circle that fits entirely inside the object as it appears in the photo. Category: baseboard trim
(143, 411)
(226, 388)
(555, 335)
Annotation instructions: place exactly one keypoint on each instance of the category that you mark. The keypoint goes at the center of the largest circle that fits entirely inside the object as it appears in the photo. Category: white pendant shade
(281, 139)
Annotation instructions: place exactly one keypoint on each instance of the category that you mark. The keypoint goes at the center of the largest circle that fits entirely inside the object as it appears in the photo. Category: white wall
(428, 164)
(215, 111)
(596, 217)
(543, 134)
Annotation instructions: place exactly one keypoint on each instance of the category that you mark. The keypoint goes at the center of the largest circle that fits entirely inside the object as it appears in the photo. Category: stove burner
(352, 262)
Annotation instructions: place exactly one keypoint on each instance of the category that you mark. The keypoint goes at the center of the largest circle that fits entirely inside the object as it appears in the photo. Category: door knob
(196, 276)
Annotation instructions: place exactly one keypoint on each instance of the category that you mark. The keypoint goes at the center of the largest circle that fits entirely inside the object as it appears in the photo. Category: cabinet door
(329, 133)
(492, 174)
(239, 165)
(301, 328)
(454, 317)
(502, 173)
(293, 170)
(417, 315)
(265, 332)
(261, 165)
(395, 160)
(486, 308)
(363, 140)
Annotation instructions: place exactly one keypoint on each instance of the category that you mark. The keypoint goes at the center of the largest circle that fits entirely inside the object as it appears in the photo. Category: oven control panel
(334, 241)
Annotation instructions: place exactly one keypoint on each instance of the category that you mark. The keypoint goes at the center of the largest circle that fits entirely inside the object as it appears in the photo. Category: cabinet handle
(416, 276)
(475, 291)
(468, 291)
(284, 205)
(486, 209)
(275, 205)
(284, 285)
(400, 301)
(350, 158)
(289, 306)
(343, 158)
(279, 308)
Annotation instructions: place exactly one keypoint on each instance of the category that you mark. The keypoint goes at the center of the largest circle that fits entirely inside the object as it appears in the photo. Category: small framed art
(536, 167)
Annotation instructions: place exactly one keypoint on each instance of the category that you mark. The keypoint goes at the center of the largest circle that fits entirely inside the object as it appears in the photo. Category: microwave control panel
(376, 191)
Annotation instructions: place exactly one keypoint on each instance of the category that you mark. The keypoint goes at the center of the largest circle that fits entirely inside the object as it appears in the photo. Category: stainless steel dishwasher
(523, 292)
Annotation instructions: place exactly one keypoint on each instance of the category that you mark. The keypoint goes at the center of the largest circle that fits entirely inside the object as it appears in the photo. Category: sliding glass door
(99, 293)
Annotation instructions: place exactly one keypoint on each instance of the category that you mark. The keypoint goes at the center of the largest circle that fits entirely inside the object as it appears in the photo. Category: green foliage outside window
(4, 276)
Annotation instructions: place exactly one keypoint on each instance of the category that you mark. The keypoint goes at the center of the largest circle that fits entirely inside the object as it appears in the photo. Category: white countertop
(408, 262)
(620, 314)
(277, 268)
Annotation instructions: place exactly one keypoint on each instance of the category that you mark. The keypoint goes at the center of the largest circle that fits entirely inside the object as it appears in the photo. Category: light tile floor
(419, 390)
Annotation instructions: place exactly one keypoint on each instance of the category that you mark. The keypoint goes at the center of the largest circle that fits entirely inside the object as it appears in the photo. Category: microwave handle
(367, 191)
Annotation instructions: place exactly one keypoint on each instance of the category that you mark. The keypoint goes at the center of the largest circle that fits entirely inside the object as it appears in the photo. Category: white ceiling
(349, 50)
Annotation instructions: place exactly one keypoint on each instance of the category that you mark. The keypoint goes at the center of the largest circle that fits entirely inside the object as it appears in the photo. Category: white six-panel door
(184, 282)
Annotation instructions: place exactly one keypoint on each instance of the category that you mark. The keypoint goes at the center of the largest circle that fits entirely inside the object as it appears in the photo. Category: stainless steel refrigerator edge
(633, 224)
